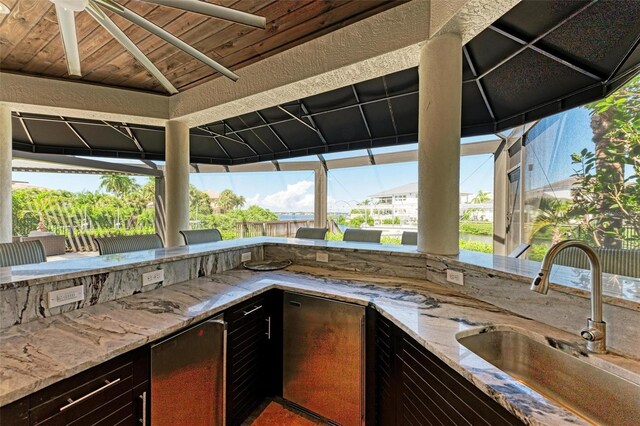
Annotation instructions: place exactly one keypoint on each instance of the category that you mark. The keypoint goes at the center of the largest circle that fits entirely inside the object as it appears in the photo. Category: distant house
(213, 198)
(400, 204)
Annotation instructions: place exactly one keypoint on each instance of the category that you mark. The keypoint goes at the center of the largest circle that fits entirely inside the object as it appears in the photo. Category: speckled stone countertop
(42, 352)
(619, 290)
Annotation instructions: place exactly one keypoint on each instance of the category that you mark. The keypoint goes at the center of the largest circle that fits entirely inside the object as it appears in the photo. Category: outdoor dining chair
(409, 238)
(311, 233)
(362, 235)
(129, 243)
(201, 236)
(22, 253)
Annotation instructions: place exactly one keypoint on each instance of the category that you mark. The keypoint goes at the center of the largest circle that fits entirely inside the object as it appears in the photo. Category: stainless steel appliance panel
(188, 377)
(324, 357)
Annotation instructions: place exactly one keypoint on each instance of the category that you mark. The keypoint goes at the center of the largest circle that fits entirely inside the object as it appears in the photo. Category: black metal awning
(541, 58)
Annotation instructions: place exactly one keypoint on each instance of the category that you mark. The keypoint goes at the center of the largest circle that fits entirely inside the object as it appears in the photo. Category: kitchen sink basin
(590, 392)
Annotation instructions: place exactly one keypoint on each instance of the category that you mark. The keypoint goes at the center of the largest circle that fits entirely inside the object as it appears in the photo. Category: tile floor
(275, 414)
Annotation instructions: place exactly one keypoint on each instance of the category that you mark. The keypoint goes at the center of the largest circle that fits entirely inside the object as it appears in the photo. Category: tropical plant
(228, 200)
(481, 197)
(606, 194)
(553, 214)
(118, 185)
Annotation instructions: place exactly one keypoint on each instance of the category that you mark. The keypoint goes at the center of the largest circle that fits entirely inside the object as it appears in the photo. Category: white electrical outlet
(456, 277)
(65, 296)
(322, 256)
(245, 257)
(153, 277)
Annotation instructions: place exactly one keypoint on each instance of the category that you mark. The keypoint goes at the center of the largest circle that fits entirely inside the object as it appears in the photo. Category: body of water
(289, 216)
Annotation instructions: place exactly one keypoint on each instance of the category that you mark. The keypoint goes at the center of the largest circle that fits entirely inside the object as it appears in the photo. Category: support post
(320, 200)
(159, 204)
(5, 174)
(500, 194)
(176, 181)
(439, 120)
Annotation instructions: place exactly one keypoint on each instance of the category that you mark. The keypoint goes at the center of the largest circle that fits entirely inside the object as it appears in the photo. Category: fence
(281, 228)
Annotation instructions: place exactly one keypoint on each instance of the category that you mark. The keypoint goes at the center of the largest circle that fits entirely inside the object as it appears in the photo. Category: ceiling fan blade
(166, 36)
(67, 24)
(126, 42)
(215, 11)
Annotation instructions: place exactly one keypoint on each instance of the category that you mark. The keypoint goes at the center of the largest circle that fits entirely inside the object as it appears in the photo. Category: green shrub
(476, 228)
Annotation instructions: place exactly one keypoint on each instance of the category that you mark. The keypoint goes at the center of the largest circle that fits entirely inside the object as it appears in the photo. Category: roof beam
(24, 127)
(535, 40)
(88, 163)
(478, 82)
(295, 117)
(305, 111)
(70, 98)
(530, 45)
(259, 114)
(75, 132)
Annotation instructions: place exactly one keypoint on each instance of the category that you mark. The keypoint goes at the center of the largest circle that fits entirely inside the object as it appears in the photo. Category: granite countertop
(619, 290)
(42, 352)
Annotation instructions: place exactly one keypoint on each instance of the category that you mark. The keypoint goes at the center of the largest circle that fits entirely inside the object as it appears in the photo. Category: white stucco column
(176, 181)
(439, 121)
(5, 174)
(320, 201)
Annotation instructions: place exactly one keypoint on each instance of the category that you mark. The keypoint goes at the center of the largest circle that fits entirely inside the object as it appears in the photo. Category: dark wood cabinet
(405, 383)
(254, 348)
(112, 393)
(414, 387)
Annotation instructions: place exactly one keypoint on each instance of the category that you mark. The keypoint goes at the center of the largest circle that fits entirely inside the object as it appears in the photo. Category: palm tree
(117, 185)
(228, 200)
(552, 214)
(481, 197)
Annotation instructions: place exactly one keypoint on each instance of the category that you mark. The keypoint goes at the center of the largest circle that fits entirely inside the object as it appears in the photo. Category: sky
(293, 191)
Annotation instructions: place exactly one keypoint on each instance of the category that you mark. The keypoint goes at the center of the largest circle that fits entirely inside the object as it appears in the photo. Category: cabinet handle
(252, 310)
(90, 394)
(268, 328)
(143, 397)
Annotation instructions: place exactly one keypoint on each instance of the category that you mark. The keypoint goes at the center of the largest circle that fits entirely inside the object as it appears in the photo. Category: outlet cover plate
(66, 296)
(322, 256)
(153, 277)
(456, 277)
(245, 257)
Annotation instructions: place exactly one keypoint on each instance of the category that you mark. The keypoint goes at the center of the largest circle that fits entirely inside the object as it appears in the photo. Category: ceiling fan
(65, 12)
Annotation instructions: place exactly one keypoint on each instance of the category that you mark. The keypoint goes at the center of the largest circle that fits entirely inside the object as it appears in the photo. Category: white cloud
(297, 197)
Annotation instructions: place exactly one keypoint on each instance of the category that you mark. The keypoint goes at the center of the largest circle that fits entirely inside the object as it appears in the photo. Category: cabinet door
(187, 376)
(249, 357)
(414, 387)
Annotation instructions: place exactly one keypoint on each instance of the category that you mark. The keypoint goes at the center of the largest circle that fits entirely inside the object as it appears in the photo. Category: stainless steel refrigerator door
(188, 377)
(324, 357)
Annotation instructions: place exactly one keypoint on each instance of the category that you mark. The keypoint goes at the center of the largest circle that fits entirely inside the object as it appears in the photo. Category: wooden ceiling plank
(191, 35)
(175, 67)
(37, 48)
(103, 56)
(289, 30)
(119, 58)
(289, 40)
(53, 52)
(39, 36)
(16, 26)
(99, 37)
(10, 4)
(151, 44)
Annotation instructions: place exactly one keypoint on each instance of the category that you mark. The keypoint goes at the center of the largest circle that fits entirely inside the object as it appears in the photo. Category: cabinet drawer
(92, 395)
(246, 312)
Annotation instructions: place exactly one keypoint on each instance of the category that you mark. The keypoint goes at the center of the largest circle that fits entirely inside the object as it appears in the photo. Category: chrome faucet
(596, 332)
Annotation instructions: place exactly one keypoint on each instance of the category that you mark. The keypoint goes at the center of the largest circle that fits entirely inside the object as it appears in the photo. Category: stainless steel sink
(592, 393)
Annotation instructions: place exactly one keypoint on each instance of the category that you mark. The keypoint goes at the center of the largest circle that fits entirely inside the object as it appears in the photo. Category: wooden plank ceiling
(30, 42)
